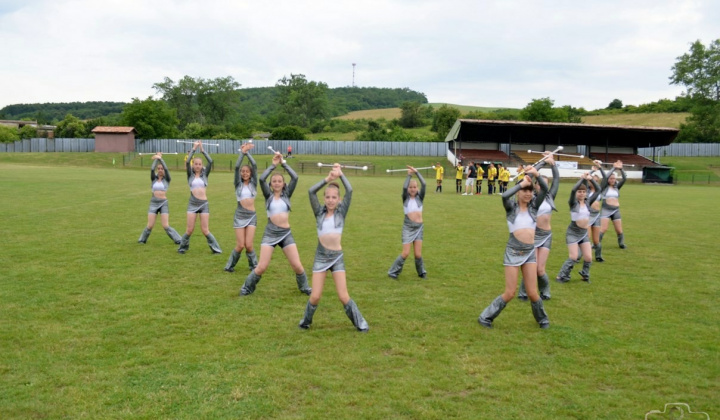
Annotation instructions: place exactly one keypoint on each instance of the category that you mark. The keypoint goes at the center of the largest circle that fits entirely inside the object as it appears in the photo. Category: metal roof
(496, 131)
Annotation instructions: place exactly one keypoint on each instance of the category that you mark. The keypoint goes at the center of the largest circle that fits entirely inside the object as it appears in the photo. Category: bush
(8, 134)
(289, 132)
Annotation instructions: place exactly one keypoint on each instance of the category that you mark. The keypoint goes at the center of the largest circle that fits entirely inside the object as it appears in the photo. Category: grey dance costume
(275, 235)
(575, 234)
(517, 254)
(195, 205)
(159, 205)
(608, 211)
(543, 238)
(411, 231)
(329, 260)
(244, 217)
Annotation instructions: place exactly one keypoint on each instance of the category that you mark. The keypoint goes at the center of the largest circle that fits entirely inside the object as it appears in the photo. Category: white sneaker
(464, 193)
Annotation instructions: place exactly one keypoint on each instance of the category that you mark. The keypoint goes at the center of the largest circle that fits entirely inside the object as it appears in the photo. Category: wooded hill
(253, 102)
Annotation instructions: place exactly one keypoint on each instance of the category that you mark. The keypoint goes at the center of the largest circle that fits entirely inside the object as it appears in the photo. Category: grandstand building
(508, 142)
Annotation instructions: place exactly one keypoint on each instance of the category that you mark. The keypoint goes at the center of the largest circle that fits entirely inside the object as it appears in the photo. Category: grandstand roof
(496, 131)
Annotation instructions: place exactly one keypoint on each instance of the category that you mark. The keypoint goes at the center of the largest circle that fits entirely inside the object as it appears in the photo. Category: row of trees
(296, 107)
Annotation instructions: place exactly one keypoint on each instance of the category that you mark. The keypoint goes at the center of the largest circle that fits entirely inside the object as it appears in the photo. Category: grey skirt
(595, 218)
(244, 217)
(610, 212)
(196, 205)
(518, 253)
(543, 238)
(275, 235)
(576, 235)
(158, 205)
(411, 231)
(326, 259)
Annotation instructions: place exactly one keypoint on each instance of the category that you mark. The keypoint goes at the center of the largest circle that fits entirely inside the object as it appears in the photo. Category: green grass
(94, 325)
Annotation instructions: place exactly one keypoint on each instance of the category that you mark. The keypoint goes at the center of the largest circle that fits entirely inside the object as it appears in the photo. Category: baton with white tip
(522, 173)
(320, 165)
(274, 152)
(400, 170)
(192, 142)
(142, 154)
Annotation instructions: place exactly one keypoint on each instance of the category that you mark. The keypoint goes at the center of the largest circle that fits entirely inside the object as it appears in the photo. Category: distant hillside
(672, 120)
(470, 108)
(251, 103)
(48, 112)
(372, 114)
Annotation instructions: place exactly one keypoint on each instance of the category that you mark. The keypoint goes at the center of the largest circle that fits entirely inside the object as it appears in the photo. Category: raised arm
(314, 201)
(543, 191)
(597, 193)
(405, 187)
(188, 163)
(421, 194)
(208, 168)
(238, 165)
(622, 181)
(345, 205)
(263, 181)
(573, 200)
(153, 177)
(293, 179)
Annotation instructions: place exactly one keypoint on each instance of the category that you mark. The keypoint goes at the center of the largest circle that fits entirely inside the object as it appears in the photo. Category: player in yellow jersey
(459, 170)
(503, 178)
(439, 173)
(492, 174)
(478, 184)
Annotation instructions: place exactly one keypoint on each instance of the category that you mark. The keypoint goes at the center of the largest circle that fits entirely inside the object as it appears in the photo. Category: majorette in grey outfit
(244, 218)
(611, 212)
(521, 217)
(331, 222)
(412, 232)
(197, 205)
(576, 235)
(543, 237)
(277, 235)
(159, 186)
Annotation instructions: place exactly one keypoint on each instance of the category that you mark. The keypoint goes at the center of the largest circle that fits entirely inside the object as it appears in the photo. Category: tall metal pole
(353, 80)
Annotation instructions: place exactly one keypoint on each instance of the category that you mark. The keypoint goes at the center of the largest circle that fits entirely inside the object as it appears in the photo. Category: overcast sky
(468, 52)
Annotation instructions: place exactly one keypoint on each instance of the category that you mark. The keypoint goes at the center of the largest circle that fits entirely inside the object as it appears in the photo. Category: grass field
(95, 325)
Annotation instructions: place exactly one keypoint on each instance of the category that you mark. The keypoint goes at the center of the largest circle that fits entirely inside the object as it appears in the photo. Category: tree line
(298, 108)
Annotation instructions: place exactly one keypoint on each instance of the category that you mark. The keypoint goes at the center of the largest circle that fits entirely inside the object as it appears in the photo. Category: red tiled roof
(114, 130)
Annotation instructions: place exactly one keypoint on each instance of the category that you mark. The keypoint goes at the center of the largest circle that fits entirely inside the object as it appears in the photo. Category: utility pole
(353, 80)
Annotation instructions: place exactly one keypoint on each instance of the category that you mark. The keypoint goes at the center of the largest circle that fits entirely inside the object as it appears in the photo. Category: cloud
(488, 53)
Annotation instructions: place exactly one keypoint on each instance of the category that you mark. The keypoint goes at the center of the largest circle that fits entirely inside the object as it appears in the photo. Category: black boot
(302, 283)
(538, 310)
(252, 259)
(234, 257)
(522, 293)
(213, 244)
(598, 252)
(144, 235)
(420, 268)
(172, 233)
(544, 287)
(585, 272)
(564, 274)
(396, 267)
(250, 283)
(308, 316)
(491, 312)
(184, 244)
(621, 240)
(352, 312)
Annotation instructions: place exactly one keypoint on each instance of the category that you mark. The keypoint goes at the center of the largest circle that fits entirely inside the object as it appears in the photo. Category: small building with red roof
(114, 139)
